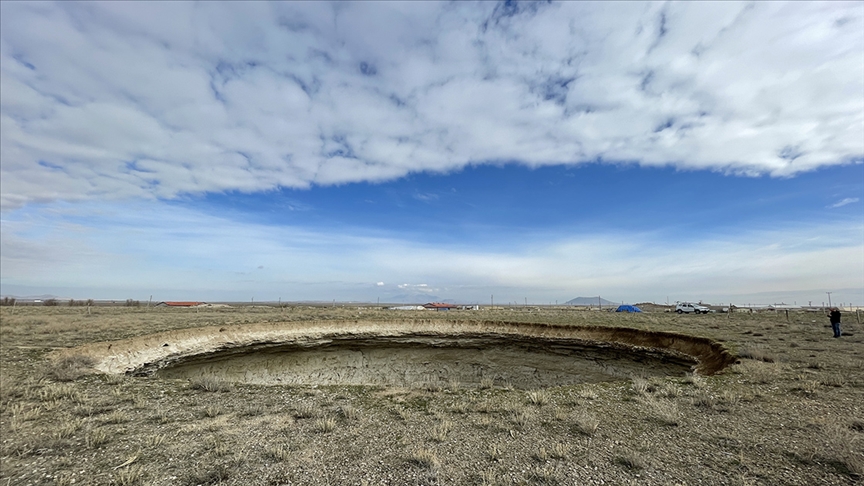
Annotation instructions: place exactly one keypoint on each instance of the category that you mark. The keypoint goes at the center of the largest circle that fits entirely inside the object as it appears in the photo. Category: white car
(687, 307)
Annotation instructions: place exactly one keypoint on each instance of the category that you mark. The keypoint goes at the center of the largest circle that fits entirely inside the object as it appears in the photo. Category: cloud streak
(157, 100)
(157, 248)
(843, 202)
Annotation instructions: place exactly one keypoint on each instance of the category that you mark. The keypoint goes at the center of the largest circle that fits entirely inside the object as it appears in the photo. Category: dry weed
(325, 425)
(129, 476)
(585, 423)
(538, 397)
(424, 458)
(69, 368)
(209, 384)
(630, 459)
(306, 410)
(440, 432)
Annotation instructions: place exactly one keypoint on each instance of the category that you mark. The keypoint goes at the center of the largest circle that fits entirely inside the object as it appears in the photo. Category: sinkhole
(410, 354)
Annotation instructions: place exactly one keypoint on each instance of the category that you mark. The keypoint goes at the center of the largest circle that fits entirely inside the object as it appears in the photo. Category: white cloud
(153, 246)
(153, 100)
(843, 202)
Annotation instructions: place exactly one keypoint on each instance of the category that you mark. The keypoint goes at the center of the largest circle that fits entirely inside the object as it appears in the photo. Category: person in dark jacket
(834, 316)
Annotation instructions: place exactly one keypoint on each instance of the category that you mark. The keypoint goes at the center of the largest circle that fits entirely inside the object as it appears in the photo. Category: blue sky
(426, 151)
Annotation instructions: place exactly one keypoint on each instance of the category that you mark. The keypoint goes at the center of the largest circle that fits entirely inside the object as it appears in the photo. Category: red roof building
(179, 304)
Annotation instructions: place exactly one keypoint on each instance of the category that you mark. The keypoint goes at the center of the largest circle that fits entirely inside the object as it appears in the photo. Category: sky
(472, 152)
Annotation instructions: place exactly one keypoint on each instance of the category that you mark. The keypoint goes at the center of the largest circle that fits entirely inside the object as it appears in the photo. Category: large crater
(410, 354)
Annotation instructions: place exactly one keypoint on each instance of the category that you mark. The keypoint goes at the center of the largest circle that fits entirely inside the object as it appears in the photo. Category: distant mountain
(589, 301)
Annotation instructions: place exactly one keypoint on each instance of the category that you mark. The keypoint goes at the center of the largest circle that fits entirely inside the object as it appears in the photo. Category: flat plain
(789, 412)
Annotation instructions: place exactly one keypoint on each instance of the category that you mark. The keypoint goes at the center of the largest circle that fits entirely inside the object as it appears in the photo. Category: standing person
(834, 316)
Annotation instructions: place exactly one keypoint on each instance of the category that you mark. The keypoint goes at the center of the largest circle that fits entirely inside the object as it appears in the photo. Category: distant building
(180, 304)
(407, 307)
(440, 306)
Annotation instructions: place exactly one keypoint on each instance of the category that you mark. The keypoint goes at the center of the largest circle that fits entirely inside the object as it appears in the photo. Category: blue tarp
(628, 308)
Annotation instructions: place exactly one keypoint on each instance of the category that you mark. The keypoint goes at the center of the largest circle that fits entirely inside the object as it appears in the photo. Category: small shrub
(7, 301)
(49, 302)
(486, 383)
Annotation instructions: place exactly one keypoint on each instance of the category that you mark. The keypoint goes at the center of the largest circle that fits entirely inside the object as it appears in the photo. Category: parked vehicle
(687, 308)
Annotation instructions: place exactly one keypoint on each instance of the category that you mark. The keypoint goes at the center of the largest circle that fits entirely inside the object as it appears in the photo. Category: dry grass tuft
(279, 453)
(424, 458)
(69, 368)
(630, 459)
(663, 411)
(306, 410)
(520, 417)
(129, 476)
(757, 353)
(348, 412)
(585, 423)
(209, 384)
(440, 432)
(538, 397)
(325, 425)
(95, 438)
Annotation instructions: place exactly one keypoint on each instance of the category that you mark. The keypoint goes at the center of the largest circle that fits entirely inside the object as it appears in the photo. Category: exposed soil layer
(410, 354)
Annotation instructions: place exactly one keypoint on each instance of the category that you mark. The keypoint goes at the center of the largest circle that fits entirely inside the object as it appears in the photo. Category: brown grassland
(790, 412)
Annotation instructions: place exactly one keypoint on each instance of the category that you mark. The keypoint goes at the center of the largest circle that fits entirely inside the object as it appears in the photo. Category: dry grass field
(791, 412)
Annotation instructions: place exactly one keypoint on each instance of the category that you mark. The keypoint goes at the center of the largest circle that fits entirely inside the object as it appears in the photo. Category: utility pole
(829, 298)
(492, 301)
(599, 303)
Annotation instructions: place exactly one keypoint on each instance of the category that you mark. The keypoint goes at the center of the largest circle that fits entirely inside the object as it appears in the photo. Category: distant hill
(589, 301)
